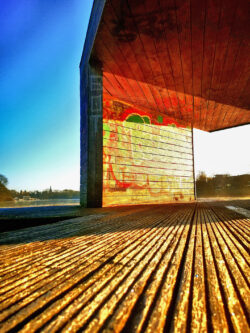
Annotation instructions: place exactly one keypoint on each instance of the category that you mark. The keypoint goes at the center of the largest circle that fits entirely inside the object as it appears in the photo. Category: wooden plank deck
(141, 269)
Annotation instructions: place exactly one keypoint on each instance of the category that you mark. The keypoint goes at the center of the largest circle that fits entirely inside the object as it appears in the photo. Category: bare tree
(3, 180)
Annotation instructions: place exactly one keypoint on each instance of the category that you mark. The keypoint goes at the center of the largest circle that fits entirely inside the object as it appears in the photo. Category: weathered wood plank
(151, 268)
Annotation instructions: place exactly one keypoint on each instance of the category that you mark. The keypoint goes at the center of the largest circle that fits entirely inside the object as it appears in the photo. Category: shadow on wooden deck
(136, 269)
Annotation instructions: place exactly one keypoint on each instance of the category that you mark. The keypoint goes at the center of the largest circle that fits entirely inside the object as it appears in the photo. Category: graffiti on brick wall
(146, 159)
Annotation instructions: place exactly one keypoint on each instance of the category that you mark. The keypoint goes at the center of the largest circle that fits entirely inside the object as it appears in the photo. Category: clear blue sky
(41, 43)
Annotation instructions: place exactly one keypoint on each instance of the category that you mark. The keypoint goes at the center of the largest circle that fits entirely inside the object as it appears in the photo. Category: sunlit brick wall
(145, 160)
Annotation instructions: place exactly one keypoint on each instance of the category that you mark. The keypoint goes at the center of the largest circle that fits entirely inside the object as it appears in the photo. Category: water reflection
(35, 203)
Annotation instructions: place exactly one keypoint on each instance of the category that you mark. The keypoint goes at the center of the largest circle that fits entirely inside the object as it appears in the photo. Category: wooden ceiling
(188, 59)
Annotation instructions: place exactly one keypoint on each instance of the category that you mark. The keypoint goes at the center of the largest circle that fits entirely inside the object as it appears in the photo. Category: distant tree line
(223, 185)
(46, 194)
(11, 195)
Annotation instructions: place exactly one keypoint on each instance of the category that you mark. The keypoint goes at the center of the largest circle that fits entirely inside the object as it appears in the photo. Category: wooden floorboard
(141, 269)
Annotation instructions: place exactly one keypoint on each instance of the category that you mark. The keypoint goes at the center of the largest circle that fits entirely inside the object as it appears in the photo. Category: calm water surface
(35, 203)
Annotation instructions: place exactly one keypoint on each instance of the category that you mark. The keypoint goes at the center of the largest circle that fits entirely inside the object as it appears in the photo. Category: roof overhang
(187, 59)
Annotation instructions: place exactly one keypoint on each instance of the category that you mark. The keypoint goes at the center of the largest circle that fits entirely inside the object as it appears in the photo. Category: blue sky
(41, 43)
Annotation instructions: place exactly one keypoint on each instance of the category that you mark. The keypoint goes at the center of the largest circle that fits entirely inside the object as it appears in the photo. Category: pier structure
(151, 71)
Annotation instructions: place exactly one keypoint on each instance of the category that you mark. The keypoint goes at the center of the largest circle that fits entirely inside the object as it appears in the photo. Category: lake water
(36, 203)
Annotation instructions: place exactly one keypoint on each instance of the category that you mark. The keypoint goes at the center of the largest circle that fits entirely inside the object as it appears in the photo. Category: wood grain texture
(186, 59)
(151, 268)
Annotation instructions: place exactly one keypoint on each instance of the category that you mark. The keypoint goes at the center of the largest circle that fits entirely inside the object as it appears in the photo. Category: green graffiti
(160, 119)
(134, 118)
(106, 129)
(146, 119)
